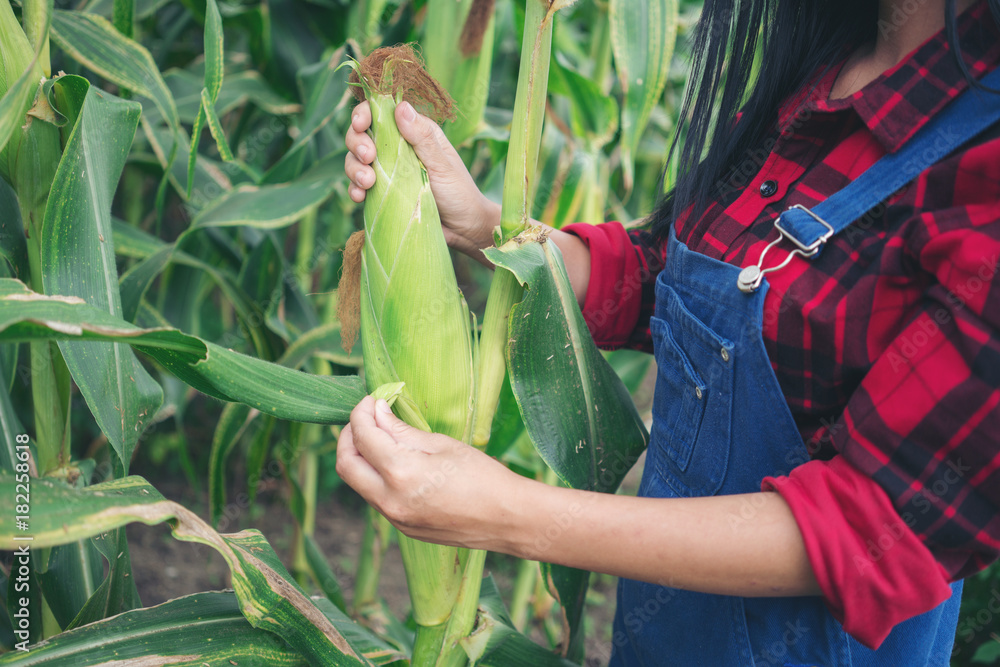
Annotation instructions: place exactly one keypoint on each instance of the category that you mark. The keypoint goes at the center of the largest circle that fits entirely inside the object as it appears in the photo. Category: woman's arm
(437, 489)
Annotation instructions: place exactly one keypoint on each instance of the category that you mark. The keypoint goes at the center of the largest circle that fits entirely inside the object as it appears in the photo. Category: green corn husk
(415, 327)
(458, 47)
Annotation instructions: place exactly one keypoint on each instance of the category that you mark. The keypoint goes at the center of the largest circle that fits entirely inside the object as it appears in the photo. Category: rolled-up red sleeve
(862, 552)
(620, 295)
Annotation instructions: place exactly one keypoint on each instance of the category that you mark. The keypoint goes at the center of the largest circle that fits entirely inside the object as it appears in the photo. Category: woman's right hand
(467, 216)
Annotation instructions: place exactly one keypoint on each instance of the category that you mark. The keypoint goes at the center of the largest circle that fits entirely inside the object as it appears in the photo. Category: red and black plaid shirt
(887, 347)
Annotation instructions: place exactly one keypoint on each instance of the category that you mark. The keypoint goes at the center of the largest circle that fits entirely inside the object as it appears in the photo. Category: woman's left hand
(432, 487)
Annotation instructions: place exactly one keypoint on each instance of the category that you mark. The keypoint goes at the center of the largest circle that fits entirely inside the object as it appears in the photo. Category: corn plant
(149, 262)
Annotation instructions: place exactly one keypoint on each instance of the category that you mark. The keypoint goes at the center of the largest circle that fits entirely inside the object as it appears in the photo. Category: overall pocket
(692, 411)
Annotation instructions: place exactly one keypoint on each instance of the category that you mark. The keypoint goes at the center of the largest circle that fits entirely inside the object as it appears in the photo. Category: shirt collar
(903, 99)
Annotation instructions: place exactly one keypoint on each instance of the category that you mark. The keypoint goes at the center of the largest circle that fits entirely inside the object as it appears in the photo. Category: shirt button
(768, 188)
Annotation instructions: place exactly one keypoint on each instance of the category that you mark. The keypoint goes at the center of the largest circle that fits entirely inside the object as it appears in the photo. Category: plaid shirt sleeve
(620, 295)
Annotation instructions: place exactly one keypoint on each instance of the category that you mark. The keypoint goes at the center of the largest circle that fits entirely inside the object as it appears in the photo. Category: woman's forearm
(437, 489)
(576, 256)
(745, 545)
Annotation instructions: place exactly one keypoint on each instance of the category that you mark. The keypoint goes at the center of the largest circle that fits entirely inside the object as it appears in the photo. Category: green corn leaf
(274, 206)
(277, 603)
(171, 150)
(93, 42)
(117, 593)
(269, 598)
(71, 576)
(133, 242)
(642, 37)
(192, 631)
(237, 90)
(323, 342)
(632, 366)
(10, 427)
(579, 415)
(214, 71)
(250, 86)
(213, 370)
(319, 570)
(568, 586)
(364, 22)
(123, 17)
(260, 445)
(14, 103)
(199, 122)
(324, 92)
(236, 418)
(13, 247)
(143, 8)
(136, 280)
(593, 115)
(214, 47)
(78, 259)
(379, 651)
(215, 127)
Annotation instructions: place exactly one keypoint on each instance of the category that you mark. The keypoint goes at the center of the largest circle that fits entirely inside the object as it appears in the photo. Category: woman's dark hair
(790, 40)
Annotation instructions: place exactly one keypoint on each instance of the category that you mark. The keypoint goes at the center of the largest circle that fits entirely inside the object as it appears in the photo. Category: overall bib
(721, 424)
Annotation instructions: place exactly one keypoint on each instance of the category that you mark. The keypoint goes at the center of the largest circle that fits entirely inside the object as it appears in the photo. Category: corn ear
(415, 327)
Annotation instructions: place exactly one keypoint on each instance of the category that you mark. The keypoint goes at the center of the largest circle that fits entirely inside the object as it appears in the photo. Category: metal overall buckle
(750, 277)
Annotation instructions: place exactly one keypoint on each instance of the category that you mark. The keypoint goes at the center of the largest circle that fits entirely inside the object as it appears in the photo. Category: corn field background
(173, 214)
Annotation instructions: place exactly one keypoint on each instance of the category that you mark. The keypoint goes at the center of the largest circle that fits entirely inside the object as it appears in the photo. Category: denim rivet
(698, 392)
(725, 354)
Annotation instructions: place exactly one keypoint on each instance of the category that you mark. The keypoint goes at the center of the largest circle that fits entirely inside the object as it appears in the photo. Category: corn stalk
(29, 161)
(515, 212)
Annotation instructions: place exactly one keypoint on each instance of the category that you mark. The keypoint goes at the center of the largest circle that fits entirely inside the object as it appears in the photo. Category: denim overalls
(721, 424)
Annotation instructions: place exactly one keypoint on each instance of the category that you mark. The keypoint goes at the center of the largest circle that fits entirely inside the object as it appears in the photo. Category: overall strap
(960, 121)
(808, 229)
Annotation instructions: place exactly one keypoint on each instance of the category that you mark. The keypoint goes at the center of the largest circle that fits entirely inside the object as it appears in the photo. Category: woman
(823, 468)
